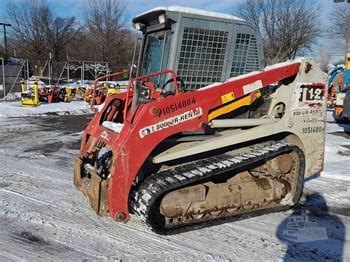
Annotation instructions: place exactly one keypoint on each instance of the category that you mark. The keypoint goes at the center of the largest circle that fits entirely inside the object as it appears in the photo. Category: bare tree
(340, 18)
(85, 46)
(60, 31)
(104, 19)
(28, 32)
(339, 30)
(38, 31)
(288, 27)
(323, 57)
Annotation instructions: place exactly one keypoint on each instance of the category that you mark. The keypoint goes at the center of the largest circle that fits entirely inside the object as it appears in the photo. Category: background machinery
(207, 140)
(341, 99)
(102, 89)
(339, 92)
(35, 92)
(30, 93)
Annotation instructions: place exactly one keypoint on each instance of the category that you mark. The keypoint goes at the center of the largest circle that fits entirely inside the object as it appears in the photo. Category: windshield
(155, 58)
(153, 54)
(156, 53)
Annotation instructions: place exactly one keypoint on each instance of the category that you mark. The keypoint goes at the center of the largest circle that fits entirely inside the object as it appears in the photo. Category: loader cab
(201, 47)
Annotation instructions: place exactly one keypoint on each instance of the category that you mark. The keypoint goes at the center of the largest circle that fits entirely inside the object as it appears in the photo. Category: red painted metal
(132, 146)
(145, 77)
(102, 78)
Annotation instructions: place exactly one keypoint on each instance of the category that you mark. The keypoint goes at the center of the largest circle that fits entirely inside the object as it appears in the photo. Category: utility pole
(5, 39)
(50, 59)
(3, 76)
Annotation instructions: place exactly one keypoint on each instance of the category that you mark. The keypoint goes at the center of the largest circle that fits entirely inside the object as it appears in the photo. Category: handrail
(101, 78)
(163, 72)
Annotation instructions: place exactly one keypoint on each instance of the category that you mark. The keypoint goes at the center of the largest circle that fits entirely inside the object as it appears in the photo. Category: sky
(66, 8)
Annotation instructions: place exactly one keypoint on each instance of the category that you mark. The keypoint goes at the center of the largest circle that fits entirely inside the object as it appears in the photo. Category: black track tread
(156, 185)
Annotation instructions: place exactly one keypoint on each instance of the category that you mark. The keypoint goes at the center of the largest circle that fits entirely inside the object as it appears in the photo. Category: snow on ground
(14, 109)
(337, 151)
(44, 218)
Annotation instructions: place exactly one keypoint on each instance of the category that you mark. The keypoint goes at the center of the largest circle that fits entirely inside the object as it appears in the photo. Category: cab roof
(143, 17)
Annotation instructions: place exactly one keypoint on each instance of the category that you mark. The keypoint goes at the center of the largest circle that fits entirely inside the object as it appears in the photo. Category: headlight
(161, 19)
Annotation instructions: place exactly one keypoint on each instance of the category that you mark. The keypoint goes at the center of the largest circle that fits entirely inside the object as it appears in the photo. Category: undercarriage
(261, 178)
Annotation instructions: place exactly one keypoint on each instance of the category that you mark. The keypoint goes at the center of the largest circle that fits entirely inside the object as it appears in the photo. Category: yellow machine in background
(347, 61)
(69, 95)
(111, 90)
(30, 94)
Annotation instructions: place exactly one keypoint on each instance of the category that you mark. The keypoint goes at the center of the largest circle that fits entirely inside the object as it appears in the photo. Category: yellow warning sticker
(227, 97)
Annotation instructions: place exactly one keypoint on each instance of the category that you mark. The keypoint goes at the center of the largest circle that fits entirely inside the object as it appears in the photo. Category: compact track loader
(184, 148)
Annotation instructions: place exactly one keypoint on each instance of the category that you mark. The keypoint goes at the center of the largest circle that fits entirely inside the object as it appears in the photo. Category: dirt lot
(43, 217)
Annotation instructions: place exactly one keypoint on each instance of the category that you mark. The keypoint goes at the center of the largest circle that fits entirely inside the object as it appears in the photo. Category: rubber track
(158, 184)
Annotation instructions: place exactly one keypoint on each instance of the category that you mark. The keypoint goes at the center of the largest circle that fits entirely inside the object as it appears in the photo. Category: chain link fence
(13, 70)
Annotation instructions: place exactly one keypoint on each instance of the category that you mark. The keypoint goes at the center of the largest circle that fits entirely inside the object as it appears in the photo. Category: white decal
(311, 94)
(308, 96)
(172, 121)
(305, 112)
(252, 87)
